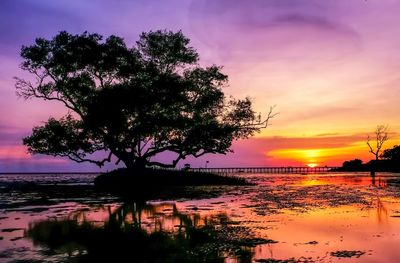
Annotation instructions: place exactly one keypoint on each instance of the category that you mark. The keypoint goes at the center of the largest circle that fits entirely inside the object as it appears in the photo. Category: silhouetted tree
(392, 154)
(133, 103)
(381, 136)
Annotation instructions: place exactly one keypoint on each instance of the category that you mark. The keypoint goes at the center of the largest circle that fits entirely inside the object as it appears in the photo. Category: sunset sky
(332, 68)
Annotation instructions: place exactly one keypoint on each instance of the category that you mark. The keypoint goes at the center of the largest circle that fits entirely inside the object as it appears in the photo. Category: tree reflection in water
(139, 233)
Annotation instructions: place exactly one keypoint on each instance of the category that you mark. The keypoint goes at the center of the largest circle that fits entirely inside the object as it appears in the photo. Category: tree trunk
(373, 167)
(139, 164)
(131, 162)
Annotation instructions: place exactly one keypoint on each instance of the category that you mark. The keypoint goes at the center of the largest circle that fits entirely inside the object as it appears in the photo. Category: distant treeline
(389, 162)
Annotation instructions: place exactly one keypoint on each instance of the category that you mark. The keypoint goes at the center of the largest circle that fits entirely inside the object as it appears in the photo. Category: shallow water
(49, 178)
(296, 218)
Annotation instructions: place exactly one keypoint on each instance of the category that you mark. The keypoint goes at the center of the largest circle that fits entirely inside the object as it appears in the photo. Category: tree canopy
(352, 165)
(392, 154)
(132, 103)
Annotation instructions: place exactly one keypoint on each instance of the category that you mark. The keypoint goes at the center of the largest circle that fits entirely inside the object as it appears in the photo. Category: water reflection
(315, 180)
(141, 232)
(313, 218)
(382, 214)
(379, 182)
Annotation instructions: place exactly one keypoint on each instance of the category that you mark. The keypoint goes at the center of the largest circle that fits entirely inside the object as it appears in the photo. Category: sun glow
(320, 156)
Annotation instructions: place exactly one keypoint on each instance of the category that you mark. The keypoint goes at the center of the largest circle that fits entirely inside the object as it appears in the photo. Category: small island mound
(128, 182)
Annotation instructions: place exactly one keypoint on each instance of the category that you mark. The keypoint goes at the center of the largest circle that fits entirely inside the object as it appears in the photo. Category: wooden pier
(268, 170)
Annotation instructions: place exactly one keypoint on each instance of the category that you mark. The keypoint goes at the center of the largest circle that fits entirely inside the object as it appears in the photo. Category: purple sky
(331, 67)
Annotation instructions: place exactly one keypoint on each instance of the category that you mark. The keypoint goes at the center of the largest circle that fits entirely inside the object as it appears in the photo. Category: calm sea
(49, 178)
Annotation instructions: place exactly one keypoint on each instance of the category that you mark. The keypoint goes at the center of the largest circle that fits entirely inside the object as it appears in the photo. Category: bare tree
(381, 136)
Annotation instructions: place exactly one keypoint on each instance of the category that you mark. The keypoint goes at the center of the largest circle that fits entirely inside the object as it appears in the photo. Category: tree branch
(260, 124)
(163, 165)
(150, 153)
(75, 157)
(371, 150)
(26, 90)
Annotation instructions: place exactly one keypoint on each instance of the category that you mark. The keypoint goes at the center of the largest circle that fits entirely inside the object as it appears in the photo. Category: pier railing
(293, 170)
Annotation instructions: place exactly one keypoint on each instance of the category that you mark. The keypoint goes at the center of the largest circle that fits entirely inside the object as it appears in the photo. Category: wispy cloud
(263, 25)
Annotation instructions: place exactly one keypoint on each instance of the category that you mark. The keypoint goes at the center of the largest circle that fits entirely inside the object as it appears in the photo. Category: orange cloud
(329, 150)
(322, 149)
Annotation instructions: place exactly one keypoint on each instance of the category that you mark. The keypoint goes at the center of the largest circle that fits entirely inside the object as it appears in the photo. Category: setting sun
(312, 165)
